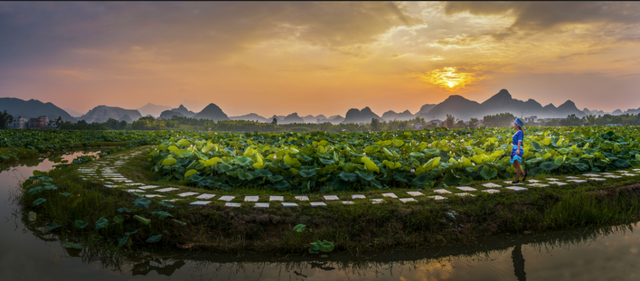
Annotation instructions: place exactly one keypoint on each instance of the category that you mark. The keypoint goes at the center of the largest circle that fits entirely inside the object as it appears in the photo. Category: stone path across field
(105, 170)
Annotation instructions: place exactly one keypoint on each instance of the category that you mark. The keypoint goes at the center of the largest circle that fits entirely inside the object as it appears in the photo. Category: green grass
(354, 228)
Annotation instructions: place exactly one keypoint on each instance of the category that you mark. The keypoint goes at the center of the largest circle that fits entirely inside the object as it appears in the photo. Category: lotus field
(324, 162)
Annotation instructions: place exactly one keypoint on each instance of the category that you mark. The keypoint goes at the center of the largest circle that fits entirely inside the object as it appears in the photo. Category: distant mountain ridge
(33, 108)
(102, 113)
(154, 110)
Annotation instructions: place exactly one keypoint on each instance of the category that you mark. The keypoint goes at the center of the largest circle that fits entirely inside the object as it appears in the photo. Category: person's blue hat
(518, 122)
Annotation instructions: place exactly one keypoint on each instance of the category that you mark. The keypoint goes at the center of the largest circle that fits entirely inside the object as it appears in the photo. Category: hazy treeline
(185, 123)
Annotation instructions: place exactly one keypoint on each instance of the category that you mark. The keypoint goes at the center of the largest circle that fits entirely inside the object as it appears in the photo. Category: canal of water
(611, 253)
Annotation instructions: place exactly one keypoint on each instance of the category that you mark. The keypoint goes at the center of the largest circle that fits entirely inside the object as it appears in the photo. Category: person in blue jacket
(517, 152)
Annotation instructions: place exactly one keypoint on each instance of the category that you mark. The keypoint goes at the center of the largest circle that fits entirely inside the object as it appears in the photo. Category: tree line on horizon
(186, 123)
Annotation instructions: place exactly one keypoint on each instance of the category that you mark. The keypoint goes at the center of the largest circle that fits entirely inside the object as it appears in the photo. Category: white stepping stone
(578, 181)
(109, 186)
(330, 197)
(118, 179)
(572, 177)
(276, 198)
(253, 199)
(390, 195)
(590, 175)
(558, 183)
(466, 188)
(233, 205)
(405, 200)
(533, 181)
(491, 185)
(135, 190)
(552, 179)
(509, 182)
(597, 179)
(196, 203)
(262, 205)
(206, 196)
(629, 175)
(127, 181)
(442, 191)
(637, 170)
(133, 183)
(226, 198)
(347, 202)
(607, 173)
(612, 176)
(415, 193)
(358, 196)
(438, 197)
(376, 200)
(152, 195)
(185, 194)
(464, 194)
(516, 188)
(167, 189)
(148, 187)
(288, 204)
(491, 191)
(538, 185)
(302, 198)
(316, 204)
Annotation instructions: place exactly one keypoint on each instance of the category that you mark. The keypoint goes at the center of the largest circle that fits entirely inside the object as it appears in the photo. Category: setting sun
(450, 84)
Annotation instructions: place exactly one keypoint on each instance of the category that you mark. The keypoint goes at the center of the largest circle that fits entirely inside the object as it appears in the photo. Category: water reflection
(28, 253)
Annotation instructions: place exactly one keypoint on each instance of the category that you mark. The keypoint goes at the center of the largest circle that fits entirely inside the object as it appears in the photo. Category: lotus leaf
(39, 201)
(101, 223)
(79, 224)
(154, 239)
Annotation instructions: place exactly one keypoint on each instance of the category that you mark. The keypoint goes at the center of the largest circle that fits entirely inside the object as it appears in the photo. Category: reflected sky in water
(586, 254)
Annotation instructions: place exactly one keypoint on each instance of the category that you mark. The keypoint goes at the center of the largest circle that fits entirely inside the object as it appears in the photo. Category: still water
(611, 253)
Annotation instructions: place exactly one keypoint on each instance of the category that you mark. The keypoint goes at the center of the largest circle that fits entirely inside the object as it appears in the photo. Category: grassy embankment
(354, 228)
(13, 154)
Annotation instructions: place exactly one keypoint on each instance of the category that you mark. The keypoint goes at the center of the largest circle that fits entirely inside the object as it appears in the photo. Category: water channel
(611, 253)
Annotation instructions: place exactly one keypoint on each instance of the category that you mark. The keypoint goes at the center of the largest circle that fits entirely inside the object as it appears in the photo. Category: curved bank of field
(117, 200)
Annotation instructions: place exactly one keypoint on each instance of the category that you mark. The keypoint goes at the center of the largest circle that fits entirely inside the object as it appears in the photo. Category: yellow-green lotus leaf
(190, 172)
(212, 161)
(169, 161)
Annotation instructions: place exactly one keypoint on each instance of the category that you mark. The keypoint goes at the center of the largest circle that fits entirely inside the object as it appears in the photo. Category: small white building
(417, 126)
(531, 119)
(19, 123)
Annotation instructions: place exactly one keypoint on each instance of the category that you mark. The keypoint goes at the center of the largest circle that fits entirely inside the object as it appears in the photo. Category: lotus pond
(360, 161)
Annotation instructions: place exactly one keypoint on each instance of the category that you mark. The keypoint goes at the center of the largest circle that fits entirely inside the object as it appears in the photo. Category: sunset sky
(321, 57)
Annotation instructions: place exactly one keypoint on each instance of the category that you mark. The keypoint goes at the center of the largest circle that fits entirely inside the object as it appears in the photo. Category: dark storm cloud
(544, 16)
(43, 32)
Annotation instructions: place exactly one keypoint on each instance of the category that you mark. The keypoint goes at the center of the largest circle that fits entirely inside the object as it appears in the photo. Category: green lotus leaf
(51, 226)
(580, 166)
(154, 239)
(326, 161)
(165, 204)
(326, 246)
(72, 245)
(180, 222)
(365, 176)
(143, 220)
(275, 178)
(351, 177)
(101, 223)
(79, 224)
(161, 214)
(222, 167)
(416, 154)
(39, 201)
(536, 146)
(118, 219)
(169, 162)
(431, 152)
(242, 160)
(299, 227)
(244, 175)
(450, 179)
(634, 163)
(421, 179)
(123, 209)
(307, 173)
(35, 190)
(122, 241)
(65, 194)
(142, 203)
(488, 173)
